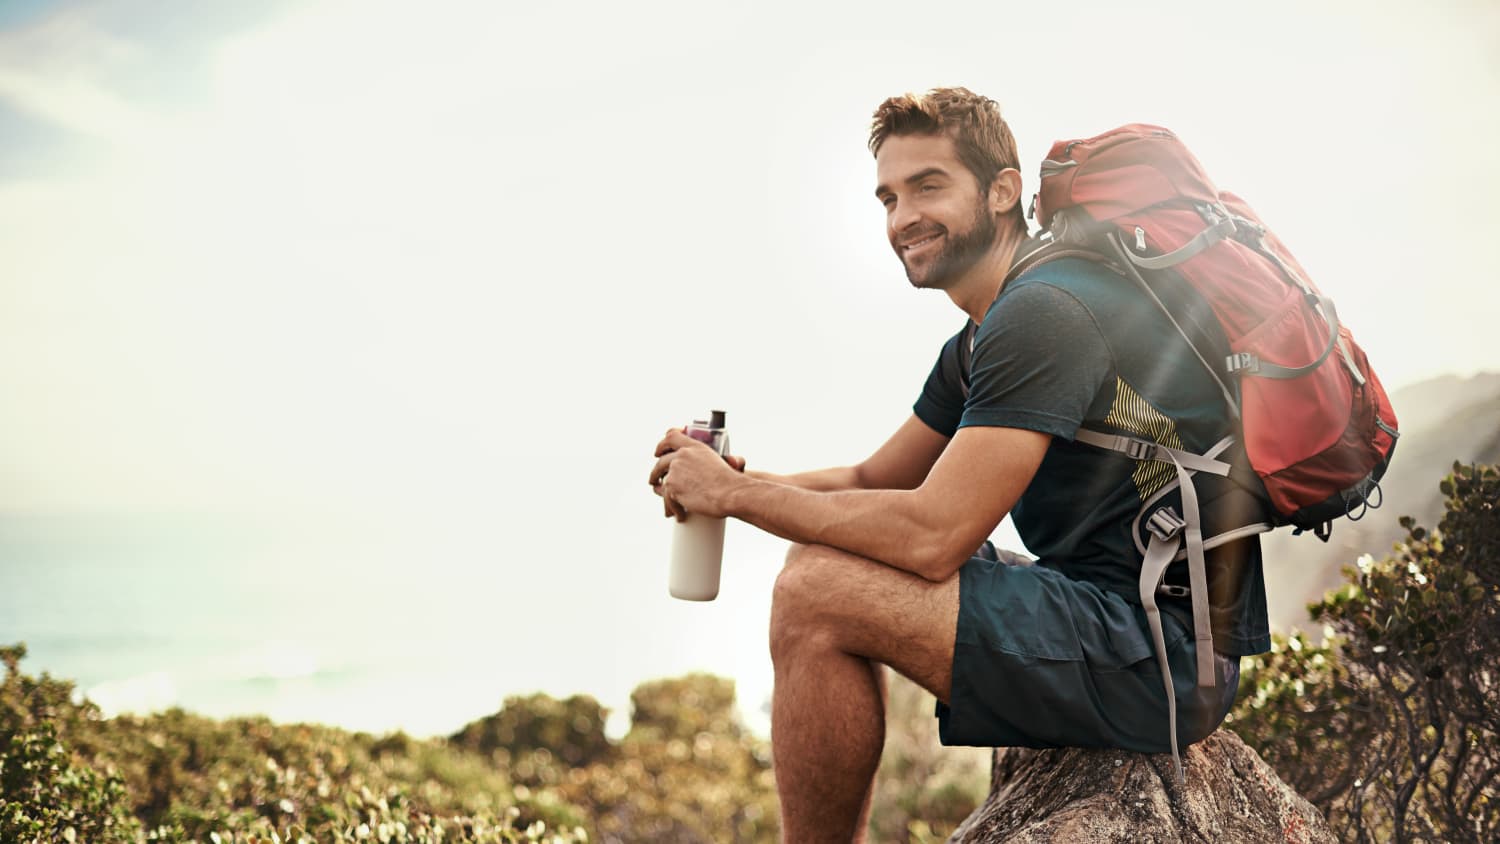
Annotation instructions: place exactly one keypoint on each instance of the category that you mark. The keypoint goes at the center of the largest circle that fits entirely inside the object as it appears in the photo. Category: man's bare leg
(835, 618)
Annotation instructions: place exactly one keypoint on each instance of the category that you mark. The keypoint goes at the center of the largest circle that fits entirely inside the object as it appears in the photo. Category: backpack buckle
(1174, 591)
(1140, 450)
(1165, 524)
(1244, 361)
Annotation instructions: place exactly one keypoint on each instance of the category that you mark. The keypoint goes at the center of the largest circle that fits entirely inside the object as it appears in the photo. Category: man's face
(936, 215)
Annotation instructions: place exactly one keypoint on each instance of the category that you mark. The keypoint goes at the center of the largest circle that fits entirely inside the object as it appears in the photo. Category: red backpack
(1317, 427)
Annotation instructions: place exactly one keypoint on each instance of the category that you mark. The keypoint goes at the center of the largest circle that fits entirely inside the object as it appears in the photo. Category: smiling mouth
(918, 244)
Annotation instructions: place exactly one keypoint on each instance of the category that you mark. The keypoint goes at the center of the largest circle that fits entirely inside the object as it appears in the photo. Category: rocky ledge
(1080, 795)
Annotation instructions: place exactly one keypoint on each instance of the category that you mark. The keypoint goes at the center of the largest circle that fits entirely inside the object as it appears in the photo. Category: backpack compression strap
(1168, 533)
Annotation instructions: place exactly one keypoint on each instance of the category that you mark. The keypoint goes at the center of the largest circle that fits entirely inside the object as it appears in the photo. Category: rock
(1083, 795)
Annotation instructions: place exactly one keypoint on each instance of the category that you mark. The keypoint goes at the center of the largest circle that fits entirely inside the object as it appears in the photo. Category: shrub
(687, 772)
(47, 791)
(571, 729)
(66, 774)
(1392, 725)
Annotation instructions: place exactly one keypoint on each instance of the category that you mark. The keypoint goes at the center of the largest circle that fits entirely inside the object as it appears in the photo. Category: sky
(438, 278)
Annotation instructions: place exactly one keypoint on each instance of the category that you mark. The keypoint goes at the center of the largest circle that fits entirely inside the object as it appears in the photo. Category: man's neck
(980, 286)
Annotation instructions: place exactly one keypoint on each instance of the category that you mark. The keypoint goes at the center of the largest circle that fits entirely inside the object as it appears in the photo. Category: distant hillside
(1441, 420)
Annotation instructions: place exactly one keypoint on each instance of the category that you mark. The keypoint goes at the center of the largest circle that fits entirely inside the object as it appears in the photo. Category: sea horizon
(228, 616)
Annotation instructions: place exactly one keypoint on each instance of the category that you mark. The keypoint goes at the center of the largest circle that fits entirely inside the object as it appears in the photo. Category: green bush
(47, 791)
(66, 774)
(687, 772)
(1392, 726)
(571, 729)
(540, 770)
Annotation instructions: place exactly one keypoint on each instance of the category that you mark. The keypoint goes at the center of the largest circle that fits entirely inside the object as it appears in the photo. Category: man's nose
(904, 216)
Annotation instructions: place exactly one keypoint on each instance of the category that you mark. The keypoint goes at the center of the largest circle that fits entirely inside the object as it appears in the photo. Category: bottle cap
(717, 420)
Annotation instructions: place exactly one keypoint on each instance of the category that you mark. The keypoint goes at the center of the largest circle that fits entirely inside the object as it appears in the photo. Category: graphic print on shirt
(1133, 414)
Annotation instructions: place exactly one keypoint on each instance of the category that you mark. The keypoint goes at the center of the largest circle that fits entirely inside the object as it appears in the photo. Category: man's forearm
(819, 480)
(892, 526)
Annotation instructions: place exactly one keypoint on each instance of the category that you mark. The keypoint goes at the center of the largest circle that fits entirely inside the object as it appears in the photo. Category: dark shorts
(1042, 660)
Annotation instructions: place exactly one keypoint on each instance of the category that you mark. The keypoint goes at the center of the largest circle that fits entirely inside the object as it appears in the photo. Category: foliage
(923, 790)
(1392, 725)
(46, 792)
(687, 772)
(66, 774)
(539, 770)
(571, 729)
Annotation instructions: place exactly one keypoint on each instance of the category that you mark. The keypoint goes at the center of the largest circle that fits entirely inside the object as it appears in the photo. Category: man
(885, 572)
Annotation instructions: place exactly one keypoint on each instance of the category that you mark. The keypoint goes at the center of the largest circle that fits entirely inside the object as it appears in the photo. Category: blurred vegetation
(687, 771)
(923, 790)
(69, 775)
(1391, 726)
(539, 770)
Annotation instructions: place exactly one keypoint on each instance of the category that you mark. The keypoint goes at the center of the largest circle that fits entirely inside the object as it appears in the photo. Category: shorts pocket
(1021, 610)
(1126, 636)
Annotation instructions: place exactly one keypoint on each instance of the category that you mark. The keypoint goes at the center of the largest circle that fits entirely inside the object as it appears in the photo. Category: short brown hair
(981, 136)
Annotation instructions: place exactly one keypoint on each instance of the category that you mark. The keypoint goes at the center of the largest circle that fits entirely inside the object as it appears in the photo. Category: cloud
(62, 69)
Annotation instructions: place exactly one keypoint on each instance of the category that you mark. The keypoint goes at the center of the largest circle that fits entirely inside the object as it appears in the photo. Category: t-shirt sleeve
(941, 404)
(1039, 362)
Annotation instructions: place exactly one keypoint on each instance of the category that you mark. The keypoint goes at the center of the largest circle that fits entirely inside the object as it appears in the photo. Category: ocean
(358, 625)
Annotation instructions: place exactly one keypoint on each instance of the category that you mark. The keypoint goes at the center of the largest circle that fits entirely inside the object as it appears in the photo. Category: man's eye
(888, 201)
(928, 188)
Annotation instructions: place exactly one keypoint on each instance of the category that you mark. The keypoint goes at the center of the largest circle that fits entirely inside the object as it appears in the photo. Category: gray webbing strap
(1206, 238)
(1117, 245)
(1203, 632)
(1185, 462)
(1158, 557)
(1139, 449)
(1052, 168)
(1266, 369)
(1359, 378)
(1330, 316)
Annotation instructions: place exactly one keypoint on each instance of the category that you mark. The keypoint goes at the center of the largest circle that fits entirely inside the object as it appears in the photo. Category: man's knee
(798, 595)
(810, 571)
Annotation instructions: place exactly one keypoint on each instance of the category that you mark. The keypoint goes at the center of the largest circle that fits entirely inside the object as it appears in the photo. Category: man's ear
(1005, 190)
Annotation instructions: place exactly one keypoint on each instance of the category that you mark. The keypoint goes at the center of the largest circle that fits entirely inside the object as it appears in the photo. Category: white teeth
(923, 242)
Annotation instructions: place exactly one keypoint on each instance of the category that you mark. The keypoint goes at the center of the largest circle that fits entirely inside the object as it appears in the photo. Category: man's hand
(691, 477)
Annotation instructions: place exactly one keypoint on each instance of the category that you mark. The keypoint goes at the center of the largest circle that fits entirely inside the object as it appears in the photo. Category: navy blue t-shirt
(1072, 344)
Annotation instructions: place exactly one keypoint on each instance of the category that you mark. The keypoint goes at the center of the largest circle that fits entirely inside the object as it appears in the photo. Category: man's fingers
(670, 508)
(674, 440)
(666, 452)
(737, 462)
(659, 471)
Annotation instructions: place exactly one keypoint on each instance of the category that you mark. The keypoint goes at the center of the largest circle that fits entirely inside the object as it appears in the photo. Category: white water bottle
(698, 541)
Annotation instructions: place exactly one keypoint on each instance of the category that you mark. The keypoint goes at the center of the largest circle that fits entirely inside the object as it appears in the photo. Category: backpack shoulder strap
(1044, 249)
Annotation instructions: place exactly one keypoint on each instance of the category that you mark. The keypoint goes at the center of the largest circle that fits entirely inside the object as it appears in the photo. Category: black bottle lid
(716, 420)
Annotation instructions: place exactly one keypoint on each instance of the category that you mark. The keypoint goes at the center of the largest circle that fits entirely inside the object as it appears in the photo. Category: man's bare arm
(902, 462)
(929, 531)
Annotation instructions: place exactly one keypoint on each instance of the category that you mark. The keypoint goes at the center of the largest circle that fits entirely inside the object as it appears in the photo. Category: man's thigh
(870, 609)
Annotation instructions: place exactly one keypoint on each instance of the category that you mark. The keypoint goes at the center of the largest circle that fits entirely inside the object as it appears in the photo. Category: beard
(961, 252)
